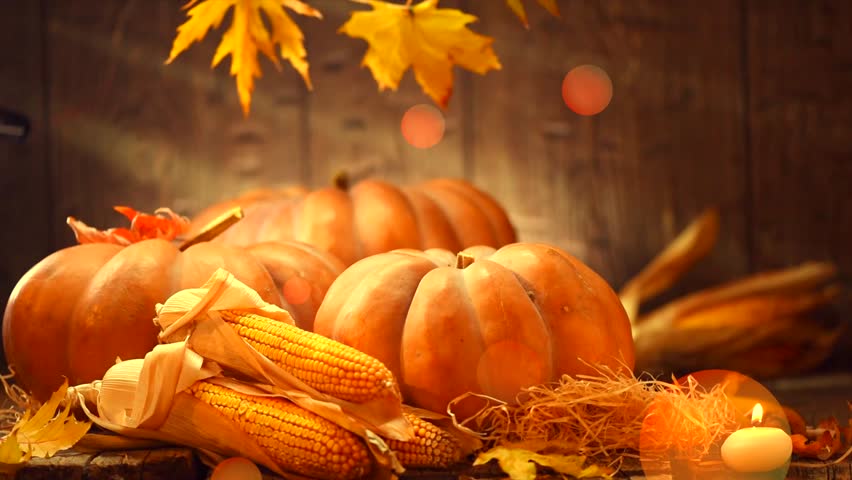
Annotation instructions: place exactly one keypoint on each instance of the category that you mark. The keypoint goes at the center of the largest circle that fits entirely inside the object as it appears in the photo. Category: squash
(484, 321)
(370, 217)
(80, 308)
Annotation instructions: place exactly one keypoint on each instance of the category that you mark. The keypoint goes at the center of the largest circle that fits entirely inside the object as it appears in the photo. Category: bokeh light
(669, 440)
(236, 468)
(296, 290)
(423, 126)
(587, 90)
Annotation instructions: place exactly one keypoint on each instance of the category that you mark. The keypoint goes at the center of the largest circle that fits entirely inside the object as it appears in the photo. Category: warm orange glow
(423, 126)
(587, 90)
(236, 468)
(296, 290)
(757, 414)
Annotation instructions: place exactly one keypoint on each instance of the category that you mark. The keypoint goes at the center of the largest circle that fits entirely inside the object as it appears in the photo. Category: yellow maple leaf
(517, 6)
(520, 463)
(246, 36)
(427, 39)
(43, 433)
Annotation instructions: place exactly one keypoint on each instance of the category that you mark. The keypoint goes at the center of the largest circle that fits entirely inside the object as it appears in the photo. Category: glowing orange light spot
(296, 290)
(587, 90)
(236, 468)
(423, 126)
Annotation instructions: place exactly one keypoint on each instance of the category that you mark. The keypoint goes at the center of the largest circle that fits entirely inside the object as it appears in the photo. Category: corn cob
(296, 439)
(326, 365)
(431, 446)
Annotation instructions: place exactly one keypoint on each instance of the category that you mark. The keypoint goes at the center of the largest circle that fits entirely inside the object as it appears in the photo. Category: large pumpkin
(370, 217)
(78, 309)
(489, 322)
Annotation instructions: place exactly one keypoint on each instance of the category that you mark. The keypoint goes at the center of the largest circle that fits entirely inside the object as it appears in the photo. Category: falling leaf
(427, 39)
(247, 35)
(517, 6)
(44, 433)
(164, 224)
(520, 464)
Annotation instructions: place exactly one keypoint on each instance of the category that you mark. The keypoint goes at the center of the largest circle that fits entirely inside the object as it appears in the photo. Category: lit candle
(757, 449)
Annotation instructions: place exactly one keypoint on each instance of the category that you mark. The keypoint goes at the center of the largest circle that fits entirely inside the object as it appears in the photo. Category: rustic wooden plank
(24, 188)
(126, 465)
(154, 464)
(63, 466)
(615, 188)
(800, 116)
(127, 129)
(352, 126)
(171, 463)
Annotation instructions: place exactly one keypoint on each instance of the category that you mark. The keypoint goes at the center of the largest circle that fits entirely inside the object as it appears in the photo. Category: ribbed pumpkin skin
(315, 268)
(371, 217)
(79, 308)
(519, 316)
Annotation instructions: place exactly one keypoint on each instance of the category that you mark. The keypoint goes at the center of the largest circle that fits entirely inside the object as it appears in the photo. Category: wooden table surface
(814, 397)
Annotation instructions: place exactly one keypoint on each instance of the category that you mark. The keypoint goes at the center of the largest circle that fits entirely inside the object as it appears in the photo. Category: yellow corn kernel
(298, 440)
(431, 446)
(322, 363)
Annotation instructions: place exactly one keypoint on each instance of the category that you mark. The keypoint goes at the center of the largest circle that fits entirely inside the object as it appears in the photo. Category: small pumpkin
(78, 309)
(485, 321)
(372, 216)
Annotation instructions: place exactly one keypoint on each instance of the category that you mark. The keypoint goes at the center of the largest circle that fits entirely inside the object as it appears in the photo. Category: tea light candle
(757, 449)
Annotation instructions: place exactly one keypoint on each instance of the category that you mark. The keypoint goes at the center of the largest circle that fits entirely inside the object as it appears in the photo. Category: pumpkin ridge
(441, 208)
(426, 220)
(463, 190)
(533, 298)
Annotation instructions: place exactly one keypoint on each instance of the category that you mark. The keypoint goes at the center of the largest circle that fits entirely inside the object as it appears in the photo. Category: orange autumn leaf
(517, 7)
(248, 35)
(423, 37)
(164, 224)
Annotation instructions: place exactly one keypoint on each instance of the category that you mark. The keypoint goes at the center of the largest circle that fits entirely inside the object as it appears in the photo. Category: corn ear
(297, 439)
(431, 446)
(326, 365)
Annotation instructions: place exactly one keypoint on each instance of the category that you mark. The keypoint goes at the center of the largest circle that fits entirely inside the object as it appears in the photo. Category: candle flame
(757, 414)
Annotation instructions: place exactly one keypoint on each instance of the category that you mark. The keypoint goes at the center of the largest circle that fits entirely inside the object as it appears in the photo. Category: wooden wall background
(743, 104)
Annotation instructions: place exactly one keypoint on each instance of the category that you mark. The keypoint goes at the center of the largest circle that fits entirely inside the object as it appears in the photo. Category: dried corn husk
(147, 399)
(693, 244)
(191, 315)
(766, 324)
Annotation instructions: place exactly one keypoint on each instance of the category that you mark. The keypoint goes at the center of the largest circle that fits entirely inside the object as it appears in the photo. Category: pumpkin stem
(214, 228)
(341, 180)
(344, 179)
(464, 260)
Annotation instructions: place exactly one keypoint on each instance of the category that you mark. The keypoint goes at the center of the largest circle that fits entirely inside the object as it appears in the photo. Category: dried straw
(609, 414)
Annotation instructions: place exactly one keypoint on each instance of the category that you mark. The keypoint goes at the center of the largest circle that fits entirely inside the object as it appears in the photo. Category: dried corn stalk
(765, 324)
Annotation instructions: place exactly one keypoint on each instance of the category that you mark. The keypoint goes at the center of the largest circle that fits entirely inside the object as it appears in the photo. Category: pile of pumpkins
(428, 278)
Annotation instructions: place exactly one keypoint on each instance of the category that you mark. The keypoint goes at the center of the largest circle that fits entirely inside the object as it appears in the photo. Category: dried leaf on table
(43, 433)
(517, 7)
(164, 224)
(427, 39)
(248, 35)
(520, 464)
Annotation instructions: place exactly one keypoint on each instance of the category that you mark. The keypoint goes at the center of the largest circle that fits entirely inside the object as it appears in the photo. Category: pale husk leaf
(157, 408)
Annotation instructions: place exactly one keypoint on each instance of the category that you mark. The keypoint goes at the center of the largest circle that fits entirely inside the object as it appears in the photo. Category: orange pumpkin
(487, 321)
(371, 217)
(78, 309)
